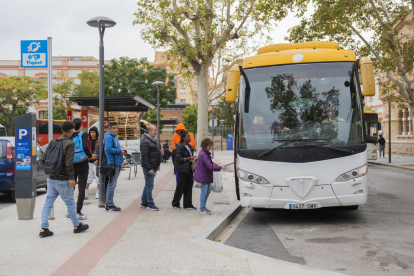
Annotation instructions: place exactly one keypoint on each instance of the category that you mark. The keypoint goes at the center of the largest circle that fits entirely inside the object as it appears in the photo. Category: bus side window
(57, 128)
(42, 128)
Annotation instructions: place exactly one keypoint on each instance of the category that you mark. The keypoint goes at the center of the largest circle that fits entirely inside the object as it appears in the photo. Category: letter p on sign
(22, 132)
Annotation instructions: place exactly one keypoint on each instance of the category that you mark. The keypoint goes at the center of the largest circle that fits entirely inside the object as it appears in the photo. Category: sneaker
(80, 228)
(112, 209)
(67, 215)
(81, 216)
(86, 194)
(144, 205)
(205, 212)
(153, 208)
(191, 208)
(45, 233)
(97, 194)
(176, 207)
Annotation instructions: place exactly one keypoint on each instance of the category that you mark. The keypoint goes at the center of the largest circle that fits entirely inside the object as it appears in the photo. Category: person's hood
(179, 127)
(96, 130)
(75, 134)
(110, 134)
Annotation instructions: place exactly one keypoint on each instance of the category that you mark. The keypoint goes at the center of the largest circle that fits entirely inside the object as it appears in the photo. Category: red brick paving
(87, 257)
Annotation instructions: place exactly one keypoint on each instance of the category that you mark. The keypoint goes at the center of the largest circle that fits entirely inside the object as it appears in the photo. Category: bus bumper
(353, 192)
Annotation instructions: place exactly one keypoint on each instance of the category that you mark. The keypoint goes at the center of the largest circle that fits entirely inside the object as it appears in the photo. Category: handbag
(107, 170)
(217, 185)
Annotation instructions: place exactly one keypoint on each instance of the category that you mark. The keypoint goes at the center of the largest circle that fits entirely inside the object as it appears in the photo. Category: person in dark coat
(151, 160)
(183, 165)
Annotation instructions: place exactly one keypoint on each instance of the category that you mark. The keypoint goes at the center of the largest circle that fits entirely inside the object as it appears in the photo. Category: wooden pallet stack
(128, 125)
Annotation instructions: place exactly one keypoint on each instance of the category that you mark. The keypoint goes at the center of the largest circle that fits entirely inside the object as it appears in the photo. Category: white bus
(300, 139)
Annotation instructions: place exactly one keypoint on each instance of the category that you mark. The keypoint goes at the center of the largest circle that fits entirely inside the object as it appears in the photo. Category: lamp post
(157, 84)
(221, 140)
(389, 130)
(101, 23)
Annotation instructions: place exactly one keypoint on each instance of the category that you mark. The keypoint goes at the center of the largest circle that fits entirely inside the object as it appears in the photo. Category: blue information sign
(33, 53)
(23, 157)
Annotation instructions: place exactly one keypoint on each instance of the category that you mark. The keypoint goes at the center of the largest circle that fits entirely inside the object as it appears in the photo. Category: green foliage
(89, 84)
(129, 77)
(16, 93)
(190, 118)
(225, 111)
(369, 109)
(372, 28)
(20, 110)
(152, 115)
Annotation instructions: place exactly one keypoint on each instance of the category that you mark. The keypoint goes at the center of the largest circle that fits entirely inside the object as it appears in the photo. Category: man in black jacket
(151, 160)
(381, 142)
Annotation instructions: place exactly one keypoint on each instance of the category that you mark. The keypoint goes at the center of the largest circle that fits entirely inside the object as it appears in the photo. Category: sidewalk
(402, 162)
(136, 241)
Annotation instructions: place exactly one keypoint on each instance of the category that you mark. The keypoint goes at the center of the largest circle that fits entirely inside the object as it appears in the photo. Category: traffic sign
(33, 53)
(210, 123)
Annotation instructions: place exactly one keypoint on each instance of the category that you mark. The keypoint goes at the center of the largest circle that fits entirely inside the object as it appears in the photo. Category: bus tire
(13, 196)
(352, 207)
(258, 209)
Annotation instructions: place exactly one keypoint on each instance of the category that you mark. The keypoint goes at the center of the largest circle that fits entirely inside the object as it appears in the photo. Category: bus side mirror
(232, 84)
(367, 76)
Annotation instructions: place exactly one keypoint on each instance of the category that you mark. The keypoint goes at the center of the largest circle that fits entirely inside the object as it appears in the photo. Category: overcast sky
(65, 22)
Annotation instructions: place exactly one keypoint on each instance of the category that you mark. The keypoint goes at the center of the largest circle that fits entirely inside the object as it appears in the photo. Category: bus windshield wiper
(287, 142)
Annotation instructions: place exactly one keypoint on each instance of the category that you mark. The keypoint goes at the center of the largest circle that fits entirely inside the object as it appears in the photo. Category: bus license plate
(303, 206)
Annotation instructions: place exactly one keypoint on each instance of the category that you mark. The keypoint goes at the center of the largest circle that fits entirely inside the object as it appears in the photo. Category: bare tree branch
(377, 56)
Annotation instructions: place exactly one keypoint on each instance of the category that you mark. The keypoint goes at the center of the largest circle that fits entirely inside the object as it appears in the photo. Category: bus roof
(46, 121)
(290, 53)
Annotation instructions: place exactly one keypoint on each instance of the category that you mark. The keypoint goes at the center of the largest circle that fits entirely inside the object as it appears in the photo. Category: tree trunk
(202, 116)
(9, 128)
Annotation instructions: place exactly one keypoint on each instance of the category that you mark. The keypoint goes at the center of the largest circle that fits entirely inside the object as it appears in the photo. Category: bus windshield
(300, 105)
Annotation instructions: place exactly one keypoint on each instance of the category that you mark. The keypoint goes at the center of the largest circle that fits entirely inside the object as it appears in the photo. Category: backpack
(80, 154)
(54, 159)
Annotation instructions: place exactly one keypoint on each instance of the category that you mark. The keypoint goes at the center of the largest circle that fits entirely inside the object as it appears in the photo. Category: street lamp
(101, 23)
(221, 140)
(157, 84)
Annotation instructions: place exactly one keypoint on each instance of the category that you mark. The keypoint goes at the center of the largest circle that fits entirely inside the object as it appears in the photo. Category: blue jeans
(113, 180)
(60, 188)
(149, 186)
(205, 192)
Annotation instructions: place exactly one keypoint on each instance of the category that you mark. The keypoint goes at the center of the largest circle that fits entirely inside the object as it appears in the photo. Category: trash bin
(229, 142)
(136, 156)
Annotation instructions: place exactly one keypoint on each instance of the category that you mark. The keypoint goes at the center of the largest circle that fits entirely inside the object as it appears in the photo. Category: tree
(391, 44)
(62, 89)
(225, 111)
(17, 93)
(195, 31)
(89, 84)
(20, 110)
(190, 119)
(151, 116)
(129, 77)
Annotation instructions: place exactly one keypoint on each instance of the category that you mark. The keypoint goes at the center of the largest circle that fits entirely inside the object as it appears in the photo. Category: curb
(207, 235)
(390, 165)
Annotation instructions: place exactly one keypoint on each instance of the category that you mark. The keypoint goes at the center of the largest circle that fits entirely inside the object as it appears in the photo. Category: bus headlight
(358, 172)
(251, 177)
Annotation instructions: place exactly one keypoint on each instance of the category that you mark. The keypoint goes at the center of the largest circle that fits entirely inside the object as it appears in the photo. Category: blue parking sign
(33, 53)
(22, 148)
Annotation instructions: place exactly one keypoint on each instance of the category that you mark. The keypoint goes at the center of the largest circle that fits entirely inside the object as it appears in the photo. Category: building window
(182, 91)
(182, 80)
(183, 101)
(42, 114)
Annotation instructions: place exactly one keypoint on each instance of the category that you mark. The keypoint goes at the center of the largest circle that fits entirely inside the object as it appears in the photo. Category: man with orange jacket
(177, 136)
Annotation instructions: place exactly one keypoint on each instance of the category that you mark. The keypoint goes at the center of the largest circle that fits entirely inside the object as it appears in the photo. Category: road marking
(87, 257)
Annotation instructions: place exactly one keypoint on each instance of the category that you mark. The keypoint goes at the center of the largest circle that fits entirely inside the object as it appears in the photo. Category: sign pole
(50, 102)
(212, 130)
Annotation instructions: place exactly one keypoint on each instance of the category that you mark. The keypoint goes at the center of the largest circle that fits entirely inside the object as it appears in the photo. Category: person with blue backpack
(80, 163)
(114, 154)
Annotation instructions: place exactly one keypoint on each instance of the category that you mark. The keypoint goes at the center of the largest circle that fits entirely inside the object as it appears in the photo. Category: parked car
(8, 165)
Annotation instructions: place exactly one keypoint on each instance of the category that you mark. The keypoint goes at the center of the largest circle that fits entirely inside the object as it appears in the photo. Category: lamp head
(157, 83)
(101, 20)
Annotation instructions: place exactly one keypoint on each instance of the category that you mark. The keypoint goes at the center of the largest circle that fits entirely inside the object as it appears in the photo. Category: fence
(220, 135)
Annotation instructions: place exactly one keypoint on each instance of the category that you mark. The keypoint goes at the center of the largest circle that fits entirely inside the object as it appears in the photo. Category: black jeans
(184, 186)
(81, 175)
